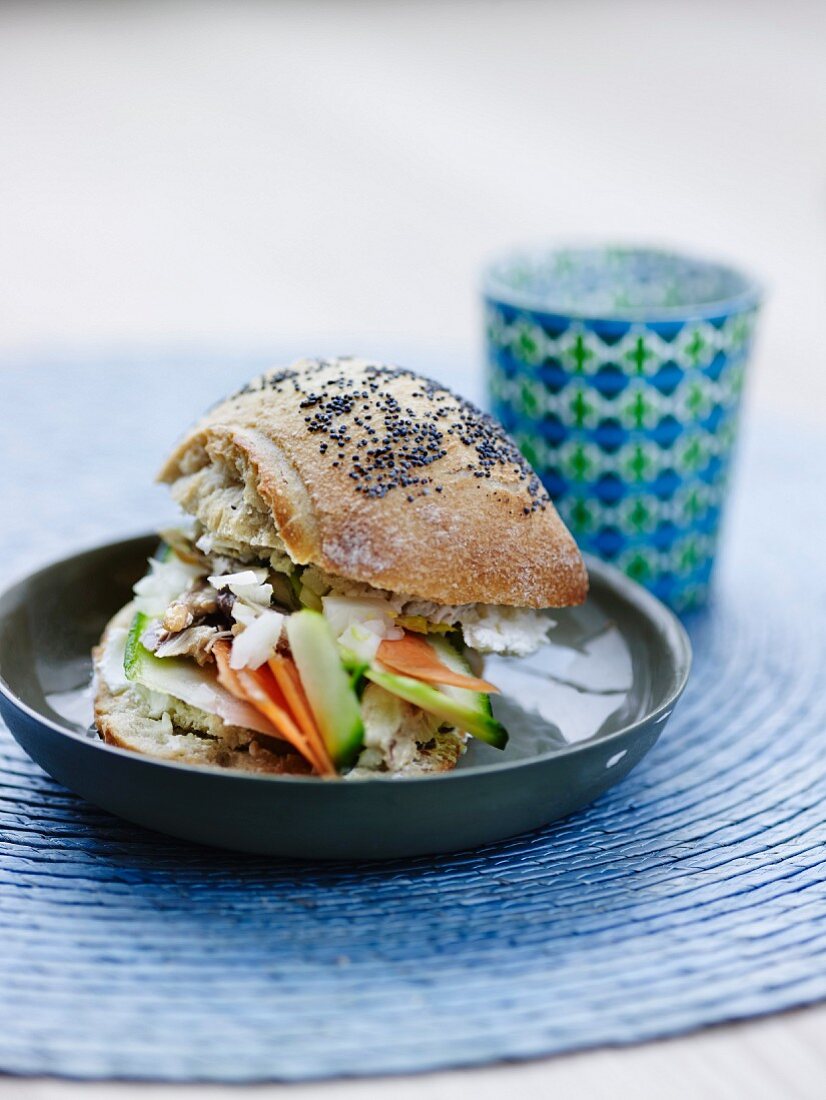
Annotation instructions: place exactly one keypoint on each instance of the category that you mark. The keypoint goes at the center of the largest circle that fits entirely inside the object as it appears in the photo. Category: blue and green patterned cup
(618, 371)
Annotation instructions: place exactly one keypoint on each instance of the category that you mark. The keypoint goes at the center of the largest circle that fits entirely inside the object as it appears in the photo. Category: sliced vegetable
(420, 625)
(249, 585)
(451, 654)
(355, 666)
(135, 651)
(187, 681)
(227, 675)
(253, 646)
(360, 640)
(167, 579)
(286, 676)
(455, 659)
(373, 612)
(259, 688)
(356, 670)
(420, 659)
(467, 710)
(263, 692)
(333, 701)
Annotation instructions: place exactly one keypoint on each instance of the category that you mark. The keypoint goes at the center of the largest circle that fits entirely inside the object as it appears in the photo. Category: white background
(321, 175)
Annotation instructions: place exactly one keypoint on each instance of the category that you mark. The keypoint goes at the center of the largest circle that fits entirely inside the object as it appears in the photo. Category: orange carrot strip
(262, 691)
(226, 674)
(286, 676)
(413, 656)
(267, 699)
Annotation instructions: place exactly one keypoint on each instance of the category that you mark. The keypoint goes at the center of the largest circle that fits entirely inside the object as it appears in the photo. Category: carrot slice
(413, 656)
(286, 676)
(262, 691)
(226, 674)
(259, 688)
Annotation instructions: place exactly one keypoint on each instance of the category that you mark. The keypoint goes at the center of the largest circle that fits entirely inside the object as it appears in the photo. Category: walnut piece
(177, 617)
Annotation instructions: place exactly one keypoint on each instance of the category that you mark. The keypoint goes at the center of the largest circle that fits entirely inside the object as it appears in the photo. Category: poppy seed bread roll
(362, 537)
(382, 477)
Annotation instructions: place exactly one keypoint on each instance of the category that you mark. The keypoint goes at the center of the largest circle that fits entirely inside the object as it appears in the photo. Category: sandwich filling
(354, 680)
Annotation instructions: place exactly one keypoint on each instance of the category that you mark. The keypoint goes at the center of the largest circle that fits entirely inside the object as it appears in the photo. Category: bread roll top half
(378, 475)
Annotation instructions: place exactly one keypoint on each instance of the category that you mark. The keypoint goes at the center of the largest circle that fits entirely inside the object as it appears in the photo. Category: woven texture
(692, 893)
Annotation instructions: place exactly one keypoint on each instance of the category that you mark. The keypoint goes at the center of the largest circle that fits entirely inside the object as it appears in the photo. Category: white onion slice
(256, 643)
(247, 585)
(374, 614)
(165, 582)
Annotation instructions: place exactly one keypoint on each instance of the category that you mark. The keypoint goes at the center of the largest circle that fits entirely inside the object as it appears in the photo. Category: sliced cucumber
(467, 710)
(449, 655)
(136, 651)
(356, 668)
(328, 687)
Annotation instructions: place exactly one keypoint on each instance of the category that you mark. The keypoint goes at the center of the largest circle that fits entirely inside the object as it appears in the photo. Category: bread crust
(378, 475)
(121, 722)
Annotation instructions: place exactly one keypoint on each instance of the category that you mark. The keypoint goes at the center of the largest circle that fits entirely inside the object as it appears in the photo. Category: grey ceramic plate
(581, 714)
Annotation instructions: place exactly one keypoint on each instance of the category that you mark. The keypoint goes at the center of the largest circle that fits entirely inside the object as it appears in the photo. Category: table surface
(250, 174)
(782, 1056)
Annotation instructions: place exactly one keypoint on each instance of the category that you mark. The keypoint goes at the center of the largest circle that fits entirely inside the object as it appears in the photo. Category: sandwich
(355, 539)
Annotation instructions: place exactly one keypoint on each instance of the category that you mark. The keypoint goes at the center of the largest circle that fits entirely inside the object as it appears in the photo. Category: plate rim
(664, 621)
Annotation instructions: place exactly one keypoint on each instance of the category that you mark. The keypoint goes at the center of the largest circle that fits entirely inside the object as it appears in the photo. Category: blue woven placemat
(692, 893)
